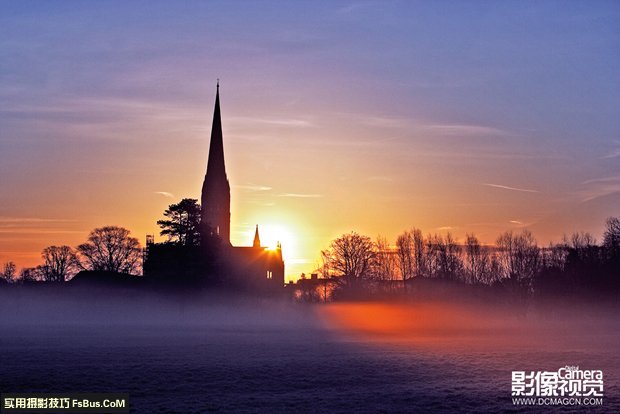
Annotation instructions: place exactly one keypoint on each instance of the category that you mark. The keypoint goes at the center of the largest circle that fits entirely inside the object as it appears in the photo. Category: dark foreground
(270, 356)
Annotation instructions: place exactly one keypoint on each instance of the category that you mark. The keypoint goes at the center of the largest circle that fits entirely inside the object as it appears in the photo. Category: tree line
(109, 248)
(577, 263)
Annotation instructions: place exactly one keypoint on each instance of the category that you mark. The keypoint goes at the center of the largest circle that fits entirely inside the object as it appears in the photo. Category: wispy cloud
(464, 129)
(104, 118)
(165, 194)
(600, 187)
(253, 187)
(523, 224)
(425, 128)
(298, 195)
(386, 122)
(275, 121)
(505, 187)
(612, 154)
(357, 143)
(30, 220)
(36, 225)
(39, 231)
(445, 228)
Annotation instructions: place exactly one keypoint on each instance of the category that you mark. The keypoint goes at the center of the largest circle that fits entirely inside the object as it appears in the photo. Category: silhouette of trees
(519, 255)
(477, 261)
(419, 252)
(350, 256)
(515, 265)
(31, 274)
(611, 238)
(183, 223)
(8, 271)
(583, 247)
(406, 255)
(111, 249)
(554, 256)
(442, 257)
(447, 257)
(59, 263)
(385, 261)
(411, 249)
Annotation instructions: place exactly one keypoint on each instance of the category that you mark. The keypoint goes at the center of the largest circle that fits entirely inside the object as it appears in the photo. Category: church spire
(216, 148)
(256, 238)
(215, 198)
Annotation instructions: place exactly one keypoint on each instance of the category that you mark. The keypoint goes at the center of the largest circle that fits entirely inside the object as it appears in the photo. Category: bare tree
(350, 256)
(554, 256)
(59, 263)
(431, 256)
(580, 240)
(8, 271)
(519, 254)
(477, 260)
(611, 237)
(31, 274)
(419, 252)
(406, 258)
(385, 260)
(583, 246)
(495, 270)
(110, 248)
(325, 271)
(436, 256)
(447, 257)
(324, 266)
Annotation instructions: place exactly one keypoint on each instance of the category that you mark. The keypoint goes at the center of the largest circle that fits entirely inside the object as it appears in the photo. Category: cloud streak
(37, 226)
(612, 154)
(280, 122)
(505, 187)
(600, 187)
(28, 220)
(298, 195)
(165, 194)
(252, 187)
(462, 129)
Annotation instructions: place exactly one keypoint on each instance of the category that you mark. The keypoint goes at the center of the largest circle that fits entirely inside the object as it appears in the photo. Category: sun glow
(272, 234)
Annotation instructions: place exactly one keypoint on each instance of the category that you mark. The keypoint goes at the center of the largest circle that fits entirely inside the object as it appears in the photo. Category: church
(254, 267)
(216, 262)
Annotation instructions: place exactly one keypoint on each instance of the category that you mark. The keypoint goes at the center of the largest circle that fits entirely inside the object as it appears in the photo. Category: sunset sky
(372, 116)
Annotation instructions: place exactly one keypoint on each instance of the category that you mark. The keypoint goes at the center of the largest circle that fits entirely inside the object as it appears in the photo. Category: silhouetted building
(255, 267)
(215, 199)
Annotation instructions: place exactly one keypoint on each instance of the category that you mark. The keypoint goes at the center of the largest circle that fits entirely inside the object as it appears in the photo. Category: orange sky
(338, 117)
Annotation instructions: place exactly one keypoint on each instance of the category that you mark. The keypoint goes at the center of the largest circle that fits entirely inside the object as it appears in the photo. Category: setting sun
(273, 233)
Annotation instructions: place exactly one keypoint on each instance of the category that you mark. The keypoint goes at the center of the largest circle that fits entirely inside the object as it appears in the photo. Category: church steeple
(256, 238)
(216, 147)
(215, 198)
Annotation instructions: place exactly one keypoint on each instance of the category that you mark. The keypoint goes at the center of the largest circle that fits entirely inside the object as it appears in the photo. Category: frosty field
(262, 356)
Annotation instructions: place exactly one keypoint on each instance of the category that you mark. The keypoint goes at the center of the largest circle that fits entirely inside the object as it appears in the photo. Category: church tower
(215, 198)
